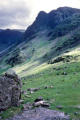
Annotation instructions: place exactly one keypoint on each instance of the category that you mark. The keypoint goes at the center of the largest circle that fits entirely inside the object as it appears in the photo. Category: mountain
(58, 31)
(49, 20)
(47, 57)
(9, 37)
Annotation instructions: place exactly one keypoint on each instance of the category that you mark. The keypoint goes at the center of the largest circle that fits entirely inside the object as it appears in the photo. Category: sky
(19, 14)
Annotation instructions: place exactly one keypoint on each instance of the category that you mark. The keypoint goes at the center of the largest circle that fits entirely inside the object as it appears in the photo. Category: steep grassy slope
(50, 35)
(65, 91)
(39, 51)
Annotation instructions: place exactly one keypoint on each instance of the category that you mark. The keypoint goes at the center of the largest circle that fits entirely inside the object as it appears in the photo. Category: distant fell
(49, 20)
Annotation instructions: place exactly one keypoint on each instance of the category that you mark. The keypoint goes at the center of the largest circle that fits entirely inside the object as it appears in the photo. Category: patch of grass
(10, 112)
(66, 87)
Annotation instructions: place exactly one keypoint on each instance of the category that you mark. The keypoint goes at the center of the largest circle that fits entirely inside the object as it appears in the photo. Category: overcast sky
(19, 14)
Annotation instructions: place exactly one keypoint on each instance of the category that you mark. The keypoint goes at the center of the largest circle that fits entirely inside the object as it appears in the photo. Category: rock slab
(40, 114)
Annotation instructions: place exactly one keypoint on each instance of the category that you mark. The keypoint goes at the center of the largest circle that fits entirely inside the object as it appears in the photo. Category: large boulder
(10, 90)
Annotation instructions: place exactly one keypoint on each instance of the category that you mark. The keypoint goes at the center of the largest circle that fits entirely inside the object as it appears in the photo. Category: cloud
(13, 13)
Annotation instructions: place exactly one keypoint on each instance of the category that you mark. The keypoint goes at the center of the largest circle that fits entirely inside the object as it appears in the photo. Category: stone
(78, 106)
(27, 106)
(46, 87)
(0, 117)
(10, 90)
(21, 101)
(31, 92)
(45, 104)
(51, 86)
(76, 113)
(10, 72)
(40, 113)
(33, 89)
(40, 102)
(38, 99)
(59, 107)
(64, 73)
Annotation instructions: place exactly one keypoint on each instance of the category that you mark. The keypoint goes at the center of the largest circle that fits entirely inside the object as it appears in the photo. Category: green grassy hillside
(63, 76)
(65, 79)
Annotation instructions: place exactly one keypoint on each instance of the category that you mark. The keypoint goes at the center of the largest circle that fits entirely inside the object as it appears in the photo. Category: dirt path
(40, 114)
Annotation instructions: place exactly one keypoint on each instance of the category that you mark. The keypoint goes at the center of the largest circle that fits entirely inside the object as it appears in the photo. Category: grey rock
(0, 117)
(59, 107)
(27, 106)
(31, 92)
(41, 113)
(64, 73)
(78, 106)
(21, 101)
(51, 86)
(45, 104)
(46, 87)
(10, 73)
(10, 90)
(33, 89)
(39, 99)
(76, 113)
(40, 102)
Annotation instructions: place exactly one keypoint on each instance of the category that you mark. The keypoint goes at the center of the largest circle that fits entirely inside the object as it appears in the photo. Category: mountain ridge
(9, 37)
(49, 20)
(62, 36)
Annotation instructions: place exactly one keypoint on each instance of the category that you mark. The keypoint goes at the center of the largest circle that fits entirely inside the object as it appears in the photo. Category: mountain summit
(50, 20)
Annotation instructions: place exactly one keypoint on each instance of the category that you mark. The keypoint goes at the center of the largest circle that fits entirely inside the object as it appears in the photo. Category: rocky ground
(40, 113)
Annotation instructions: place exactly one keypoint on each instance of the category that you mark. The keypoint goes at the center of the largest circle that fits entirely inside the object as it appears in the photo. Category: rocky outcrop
(10, 90)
